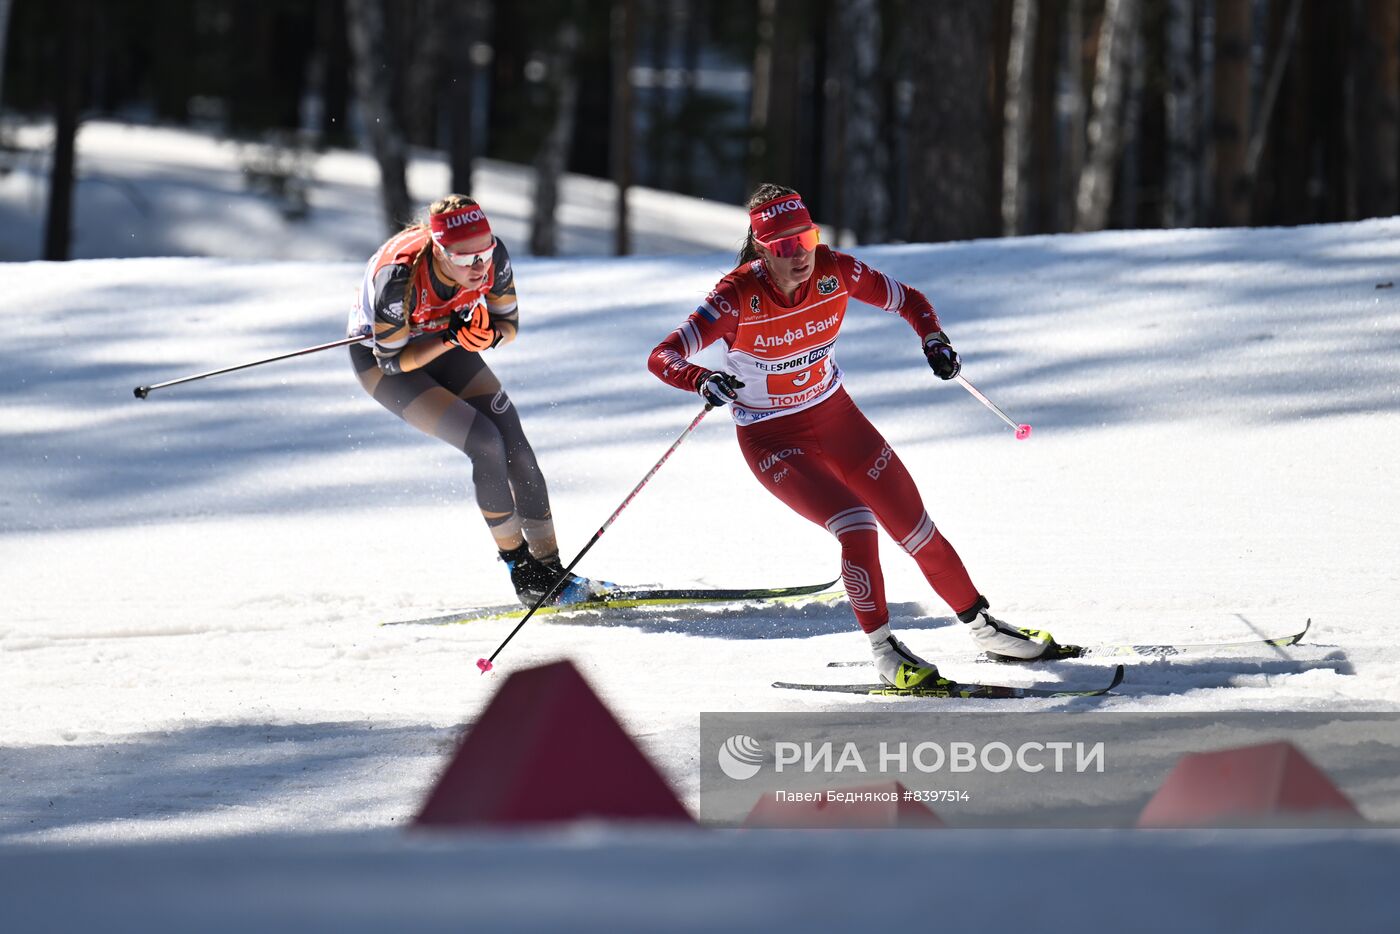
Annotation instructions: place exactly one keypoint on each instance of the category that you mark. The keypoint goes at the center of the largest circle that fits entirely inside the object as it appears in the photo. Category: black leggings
(457, 399)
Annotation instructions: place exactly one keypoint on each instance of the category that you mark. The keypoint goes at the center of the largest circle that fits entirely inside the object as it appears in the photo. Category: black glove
(472, 333)
(942, 358)
(718, 388)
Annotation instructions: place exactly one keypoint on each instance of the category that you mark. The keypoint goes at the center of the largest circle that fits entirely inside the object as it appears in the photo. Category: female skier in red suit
(778, 314)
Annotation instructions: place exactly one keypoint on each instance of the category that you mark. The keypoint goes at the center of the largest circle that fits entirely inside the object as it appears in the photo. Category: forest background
(899, 120)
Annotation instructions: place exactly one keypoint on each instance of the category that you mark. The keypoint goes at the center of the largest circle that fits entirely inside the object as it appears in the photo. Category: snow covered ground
(201, 724)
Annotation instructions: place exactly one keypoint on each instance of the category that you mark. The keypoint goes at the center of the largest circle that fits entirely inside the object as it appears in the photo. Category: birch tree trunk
(553, 156)
(421, 54)
(835, 91)
(68, 97)
(773, 106)
(1071, 111)
(1379, 155)
(761, 93)
(1179, 209)
(689, 23)
(365, 21)
(1130, 161)
(953, 178)
(1231, 130)
(654, 105)
(1265, 113)
(624, 24)
(334, 129)
(1095, 195)
(470, 20)
(1042, 177)
(1205, 120)
(1020, 63)
(5, 6)
(865, 200)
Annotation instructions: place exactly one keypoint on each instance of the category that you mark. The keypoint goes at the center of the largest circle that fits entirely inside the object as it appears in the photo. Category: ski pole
(142, 392)
(486, 664)
(1022, 431)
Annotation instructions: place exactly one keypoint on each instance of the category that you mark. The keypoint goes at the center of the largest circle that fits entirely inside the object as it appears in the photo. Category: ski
(1164, 650)
(633, 597)
(957, 689)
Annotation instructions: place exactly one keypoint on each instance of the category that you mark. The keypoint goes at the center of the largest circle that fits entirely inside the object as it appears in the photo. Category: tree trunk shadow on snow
(1176, 676)
(213, 775)
(1148, 328)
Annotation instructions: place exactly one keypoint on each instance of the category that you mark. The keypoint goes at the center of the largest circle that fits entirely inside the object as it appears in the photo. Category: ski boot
(897, 666)
(1003, 641)
(576, 589)
(533, 577)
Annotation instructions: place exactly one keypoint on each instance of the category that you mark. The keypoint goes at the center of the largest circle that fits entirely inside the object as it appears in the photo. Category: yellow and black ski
(944, 688)
(624, 598)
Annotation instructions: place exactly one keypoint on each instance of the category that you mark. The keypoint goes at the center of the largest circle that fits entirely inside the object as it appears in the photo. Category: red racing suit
(803, 437)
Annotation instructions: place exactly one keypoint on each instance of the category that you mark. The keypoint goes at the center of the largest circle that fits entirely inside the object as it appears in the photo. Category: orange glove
(475, 334)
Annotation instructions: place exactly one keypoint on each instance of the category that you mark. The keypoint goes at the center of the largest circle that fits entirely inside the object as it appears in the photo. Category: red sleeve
(873, 287)
(706, 324)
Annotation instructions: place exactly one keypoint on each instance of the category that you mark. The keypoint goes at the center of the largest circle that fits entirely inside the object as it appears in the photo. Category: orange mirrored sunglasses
(785, 247)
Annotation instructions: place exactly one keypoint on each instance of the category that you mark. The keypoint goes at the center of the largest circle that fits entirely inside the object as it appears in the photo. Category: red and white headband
(459, 224)
(781, 213)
